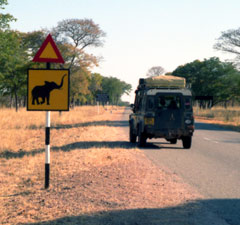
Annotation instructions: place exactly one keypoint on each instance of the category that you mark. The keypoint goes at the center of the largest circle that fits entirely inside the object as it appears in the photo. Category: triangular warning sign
(48, 52)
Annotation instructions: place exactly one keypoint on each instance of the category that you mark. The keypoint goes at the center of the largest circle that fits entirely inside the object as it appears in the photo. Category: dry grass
(220, 115)
(30, 120)
(94, 169)
(25, 130)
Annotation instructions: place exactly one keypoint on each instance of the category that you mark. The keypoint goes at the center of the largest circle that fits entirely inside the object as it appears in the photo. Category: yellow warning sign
(48, 90)
(48, 52)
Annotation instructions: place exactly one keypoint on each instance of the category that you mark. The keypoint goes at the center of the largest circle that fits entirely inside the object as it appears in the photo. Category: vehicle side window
(137, 101)
(150, 103)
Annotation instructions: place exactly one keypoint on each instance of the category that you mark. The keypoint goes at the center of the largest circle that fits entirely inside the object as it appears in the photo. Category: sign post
(47, 150)
(48, 90)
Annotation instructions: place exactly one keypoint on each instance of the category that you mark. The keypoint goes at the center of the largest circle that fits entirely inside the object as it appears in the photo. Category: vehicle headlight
(149, 121)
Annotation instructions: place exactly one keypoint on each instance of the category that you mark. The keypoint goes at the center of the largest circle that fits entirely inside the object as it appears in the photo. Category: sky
(140, 34)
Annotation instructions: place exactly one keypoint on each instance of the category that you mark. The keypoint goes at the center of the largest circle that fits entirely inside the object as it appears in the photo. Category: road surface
(211, 166)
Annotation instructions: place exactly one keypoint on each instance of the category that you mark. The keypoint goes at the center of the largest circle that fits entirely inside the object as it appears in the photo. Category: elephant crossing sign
(48, 90)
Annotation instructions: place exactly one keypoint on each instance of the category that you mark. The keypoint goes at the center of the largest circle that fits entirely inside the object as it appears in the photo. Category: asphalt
(211, 166)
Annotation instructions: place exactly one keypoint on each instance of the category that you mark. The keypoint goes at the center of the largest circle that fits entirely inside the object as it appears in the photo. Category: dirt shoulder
(228, 125)
(97, 177)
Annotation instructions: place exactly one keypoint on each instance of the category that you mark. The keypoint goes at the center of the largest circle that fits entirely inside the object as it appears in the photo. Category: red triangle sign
(48, 52)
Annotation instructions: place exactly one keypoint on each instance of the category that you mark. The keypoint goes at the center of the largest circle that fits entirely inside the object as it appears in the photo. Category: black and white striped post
(47, 150)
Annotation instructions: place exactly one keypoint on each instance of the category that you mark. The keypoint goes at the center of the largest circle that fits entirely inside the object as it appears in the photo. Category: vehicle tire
(132, 136)
(187, 141)
(173, 141)
(141, 139)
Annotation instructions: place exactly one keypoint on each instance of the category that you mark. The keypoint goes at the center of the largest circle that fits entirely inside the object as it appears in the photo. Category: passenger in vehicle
(173, 105)
(162, 103)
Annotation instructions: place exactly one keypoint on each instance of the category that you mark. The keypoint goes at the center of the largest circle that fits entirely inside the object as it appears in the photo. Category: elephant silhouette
(43, 91)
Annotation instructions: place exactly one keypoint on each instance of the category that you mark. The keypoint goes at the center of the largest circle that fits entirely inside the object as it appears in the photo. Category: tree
(211, 77)
(12, 58)
(33, 41)
(13, 65)
(73, 36)
(115, 88)
(80, 33)
(95, 85)
(155, 71)
(5, 19)
(79, 85)
(229, 42)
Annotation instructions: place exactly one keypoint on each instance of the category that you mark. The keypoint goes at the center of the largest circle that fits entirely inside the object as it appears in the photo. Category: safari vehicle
(162, 109)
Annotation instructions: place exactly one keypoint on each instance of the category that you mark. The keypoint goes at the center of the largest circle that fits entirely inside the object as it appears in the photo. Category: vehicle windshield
(168, 102)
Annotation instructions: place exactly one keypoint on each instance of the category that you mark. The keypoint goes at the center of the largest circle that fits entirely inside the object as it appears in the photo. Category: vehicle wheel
(173, 141)
(141, 139)
(187, 141)
(132, 136)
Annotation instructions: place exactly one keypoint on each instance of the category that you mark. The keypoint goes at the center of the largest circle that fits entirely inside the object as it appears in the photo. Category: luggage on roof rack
(163, 81)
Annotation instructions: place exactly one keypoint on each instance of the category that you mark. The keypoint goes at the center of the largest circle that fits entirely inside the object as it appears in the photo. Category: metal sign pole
(47, 150)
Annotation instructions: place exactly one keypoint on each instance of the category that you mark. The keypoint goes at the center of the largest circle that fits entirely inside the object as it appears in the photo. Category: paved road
(212, 166)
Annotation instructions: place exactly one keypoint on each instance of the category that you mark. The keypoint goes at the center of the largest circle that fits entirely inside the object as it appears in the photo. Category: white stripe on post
(47, 154)
(48, 119)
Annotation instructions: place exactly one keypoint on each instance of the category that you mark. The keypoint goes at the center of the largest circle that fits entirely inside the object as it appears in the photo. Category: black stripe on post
(47, 173)
(47, 138)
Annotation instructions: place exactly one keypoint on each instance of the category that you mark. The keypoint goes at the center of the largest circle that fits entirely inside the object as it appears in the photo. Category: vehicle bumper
(168, 133)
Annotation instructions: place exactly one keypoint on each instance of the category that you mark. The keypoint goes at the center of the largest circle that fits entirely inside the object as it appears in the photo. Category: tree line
(212, 78)
(220, 81)
(73, 37)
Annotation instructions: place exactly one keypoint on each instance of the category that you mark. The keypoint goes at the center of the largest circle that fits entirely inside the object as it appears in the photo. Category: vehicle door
(169, 111)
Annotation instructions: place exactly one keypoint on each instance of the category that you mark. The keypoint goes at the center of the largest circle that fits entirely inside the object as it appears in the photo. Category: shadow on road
(202, 212)
(161, 145)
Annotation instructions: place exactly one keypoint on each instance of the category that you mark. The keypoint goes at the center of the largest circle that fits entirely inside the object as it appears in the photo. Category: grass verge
(228, 118)
(95, 173)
